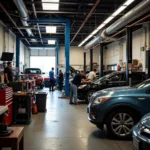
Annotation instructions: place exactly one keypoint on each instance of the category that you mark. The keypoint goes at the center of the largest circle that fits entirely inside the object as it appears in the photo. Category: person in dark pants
(52, 80)
(78, 79)
(8, 74)
(60, 80)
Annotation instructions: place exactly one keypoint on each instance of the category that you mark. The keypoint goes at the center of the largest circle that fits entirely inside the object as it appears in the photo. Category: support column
(67, 57)
(101, 61)
(91, 59)
(57, 61)
(84, 56)
(18, 53)
(129, 56)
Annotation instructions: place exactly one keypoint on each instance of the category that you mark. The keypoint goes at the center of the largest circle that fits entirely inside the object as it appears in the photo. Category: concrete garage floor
(65, 127)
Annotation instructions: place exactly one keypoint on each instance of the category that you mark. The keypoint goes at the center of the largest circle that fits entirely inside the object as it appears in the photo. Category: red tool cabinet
(6, 98)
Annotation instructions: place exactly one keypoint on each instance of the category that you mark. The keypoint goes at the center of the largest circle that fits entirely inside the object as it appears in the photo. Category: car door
(117, 80)
(146, 100)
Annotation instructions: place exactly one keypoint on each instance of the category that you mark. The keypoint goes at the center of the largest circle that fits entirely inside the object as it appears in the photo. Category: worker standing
(92, 75)
(8, 74)
(60, 80)
(52, 80)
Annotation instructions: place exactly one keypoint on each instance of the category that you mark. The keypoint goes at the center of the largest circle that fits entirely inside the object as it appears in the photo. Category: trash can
(41, 98)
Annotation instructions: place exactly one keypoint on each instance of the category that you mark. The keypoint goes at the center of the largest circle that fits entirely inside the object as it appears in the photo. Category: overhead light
(118, 11)
(50, 29)
(128, 2)
(94, 32)
(101, 26)
(51, 42)
(50, 6)
(108, 20)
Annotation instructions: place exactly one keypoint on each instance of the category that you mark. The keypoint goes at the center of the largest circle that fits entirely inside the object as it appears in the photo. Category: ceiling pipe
(123, 30)
(2, 7)
(88, 16)
(136, 12)
(35, 15)
(24, 14)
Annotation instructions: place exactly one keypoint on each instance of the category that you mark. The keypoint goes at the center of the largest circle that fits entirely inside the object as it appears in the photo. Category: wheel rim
(122, 124)
(90, 95)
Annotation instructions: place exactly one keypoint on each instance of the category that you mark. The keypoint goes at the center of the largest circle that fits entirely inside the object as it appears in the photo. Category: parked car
(35, 73)
(141, 134)
(113, 79)
(104, 73)
(120, 108)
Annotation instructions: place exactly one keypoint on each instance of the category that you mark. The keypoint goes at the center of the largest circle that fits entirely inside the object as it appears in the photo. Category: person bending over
(77, 80)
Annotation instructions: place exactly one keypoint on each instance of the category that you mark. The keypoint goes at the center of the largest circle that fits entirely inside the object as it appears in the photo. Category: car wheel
(100, 126)
(89, 95)
(121, 122)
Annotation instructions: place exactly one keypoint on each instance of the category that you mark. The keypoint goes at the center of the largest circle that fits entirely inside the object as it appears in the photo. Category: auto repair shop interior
(74, 74)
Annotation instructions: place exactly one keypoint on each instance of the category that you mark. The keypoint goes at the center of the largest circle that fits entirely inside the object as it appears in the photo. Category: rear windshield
(32, 71)
(103, 78)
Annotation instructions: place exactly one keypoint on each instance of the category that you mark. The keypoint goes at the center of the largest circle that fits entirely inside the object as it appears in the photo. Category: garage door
(42, 52)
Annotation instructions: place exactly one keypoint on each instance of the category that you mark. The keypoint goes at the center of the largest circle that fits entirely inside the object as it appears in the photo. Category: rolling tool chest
(6, 99)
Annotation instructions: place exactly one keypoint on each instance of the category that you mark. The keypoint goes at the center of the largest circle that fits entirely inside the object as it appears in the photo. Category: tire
(101, 127)
(120, 123)
(88, 95)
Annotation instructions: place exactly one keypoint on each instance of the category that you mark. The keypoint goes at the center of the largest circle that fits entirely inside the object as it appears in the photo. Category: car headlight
(100, 100)
(82, 86)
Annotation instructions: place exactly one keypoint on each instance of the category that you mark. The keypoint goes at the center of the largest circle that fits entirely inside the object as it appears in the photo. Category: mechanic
(8, 74)
(92, 75)
(52, 80)
(77, 80)
(60, 80)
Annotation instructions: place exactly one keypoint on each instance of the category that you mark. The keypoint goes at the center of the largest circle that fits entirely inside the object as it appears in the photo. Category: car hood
(145, 121)
(125, 90)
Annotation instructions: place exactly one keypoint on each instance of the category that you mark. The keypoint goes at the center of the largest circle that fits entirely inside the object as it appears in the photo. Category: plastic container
(41, 98)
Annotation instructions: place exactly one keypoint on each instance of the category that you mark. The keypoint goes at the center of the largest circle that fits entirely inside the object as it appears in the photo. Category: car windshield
(103, 78)
(143, 84)
(32, 71)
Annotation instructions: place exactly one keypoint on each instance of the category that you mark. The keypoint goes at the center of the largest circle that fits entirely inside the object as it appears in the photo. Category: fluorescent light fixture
(101, 26)
(118, 11)
(108, 20)
(94, 32)
(50, 29)
(128, 2)
(51, 42)
(50, 6)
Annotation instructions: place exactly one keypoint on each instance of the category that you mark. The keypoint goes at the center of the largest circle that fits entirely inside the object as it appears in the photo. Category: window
(33, 71)
(117, 77)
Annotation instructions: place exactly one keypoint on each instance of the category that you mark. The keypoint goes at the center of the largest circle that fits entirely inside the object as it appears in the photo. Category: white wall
(117, 50)
(76, 57)
(2, 39)
(8, 44)
(27, 57)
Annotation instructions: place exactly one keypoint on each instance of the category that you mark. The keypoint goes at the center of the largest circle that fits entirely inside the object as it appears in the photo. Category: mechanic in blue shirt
(52, 80)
